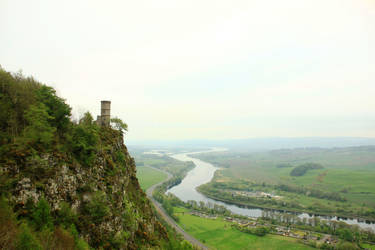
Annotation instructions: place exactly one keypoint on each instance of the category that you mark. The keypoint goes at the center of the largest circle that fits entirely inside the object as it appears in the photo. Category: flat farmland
(346, 172)
(148, 176)
(218, 234)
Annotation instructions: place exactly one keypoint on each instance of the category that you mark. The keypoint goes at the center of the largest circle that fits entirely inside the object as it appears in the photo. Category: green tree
(41, 215)
(119, 124)
(97, 208)
(26, 239)
(66, 216)
(56, 108)
(17, 93)
(87, 119)
(84, 140)
(39, 130)
(345, 234)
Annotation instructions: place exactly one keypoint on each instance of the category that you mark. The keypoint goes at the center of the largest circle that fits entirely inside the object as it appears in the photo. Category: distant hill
(258, 144)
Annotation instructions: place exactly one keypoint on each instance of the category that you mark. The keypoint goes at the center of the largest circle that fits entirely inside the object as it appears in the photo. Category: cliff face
(106, 197)
(61, 180)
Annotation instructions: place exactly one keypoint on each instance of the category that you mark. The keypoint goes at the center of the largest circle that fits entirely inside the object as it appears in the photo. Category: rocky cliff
(63, 181)
(110, 207)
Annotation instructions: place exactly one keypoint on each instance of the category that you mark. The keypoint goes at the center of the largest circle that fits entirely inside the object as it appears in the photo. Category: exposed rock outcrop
(109, 184)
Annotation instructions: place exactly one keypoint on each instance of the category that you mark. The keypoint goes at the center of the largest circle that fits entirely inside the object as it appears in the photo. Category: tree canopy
(119, 124)
(33, 118)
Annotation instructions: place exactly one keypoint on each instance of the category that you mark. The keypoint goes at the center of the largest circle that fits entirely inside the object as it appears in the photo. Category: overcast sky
(203, 68)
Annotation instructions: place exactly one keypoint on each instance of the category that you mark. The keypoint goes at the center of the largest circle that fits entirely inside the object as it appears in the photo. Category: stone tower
(105, 116)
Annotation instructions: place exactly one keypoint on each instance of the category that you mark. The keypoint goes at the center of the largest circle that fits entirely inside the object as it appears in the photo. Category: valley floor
(218, 234)
(151, 178)
(215, 234)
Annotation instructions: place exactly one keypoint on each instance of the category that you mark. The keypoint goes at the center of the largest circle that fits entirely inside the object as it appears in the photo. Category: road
(167, 218)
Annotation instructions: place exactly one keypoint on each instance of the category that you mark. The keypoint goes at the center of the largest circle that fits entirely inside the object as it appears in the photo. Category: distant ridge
(270, 143)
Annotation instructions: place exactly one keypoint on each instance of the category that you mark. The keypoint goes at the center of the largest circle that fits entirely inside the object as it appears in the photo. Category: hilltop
(65, 184)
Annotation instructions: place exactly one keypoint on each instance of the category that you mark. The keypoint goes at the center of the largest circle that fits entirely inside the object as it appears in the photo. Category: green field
(218, 234)
(148, 176)
(164, 163)
(348, 172)
(368, 246)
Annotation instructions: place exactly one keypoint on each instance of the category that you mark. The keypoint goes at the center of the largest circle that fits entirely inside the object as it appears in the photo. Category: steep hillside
(64, 184)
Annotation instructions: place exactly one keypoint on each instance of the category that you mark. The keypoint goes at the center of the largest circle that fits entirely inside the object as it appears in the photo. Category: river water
(204, 172)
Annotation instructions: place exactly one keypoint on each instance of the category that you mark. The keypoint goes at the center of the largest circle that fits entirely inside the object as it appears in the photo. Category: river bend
(204, 172)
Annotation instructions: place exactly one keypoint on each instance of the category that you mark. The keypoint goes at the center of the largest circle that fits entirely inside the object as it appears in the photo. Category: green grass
(368, 246)
(148, 176)
(348, 171)
(164, 163)
(218, 234)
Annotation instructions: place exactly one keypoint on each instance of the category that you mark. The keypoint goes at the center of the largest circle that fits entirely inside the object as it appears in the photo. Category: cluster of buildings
(279, 230)
(256, 194)
(203, 215)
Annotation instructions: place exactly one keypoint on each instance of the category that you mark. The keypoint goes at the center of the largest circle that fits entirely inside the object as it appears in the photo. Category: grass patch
(218, 234)
(368, 246)
(348, 172)
(148, 176)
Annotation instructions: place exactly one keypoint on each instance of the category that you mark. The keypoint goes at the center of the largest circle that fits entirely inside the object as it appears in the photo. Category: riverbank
(160, 210)
(172, 205)
(204, 172)
(344, 187)
(370, 221)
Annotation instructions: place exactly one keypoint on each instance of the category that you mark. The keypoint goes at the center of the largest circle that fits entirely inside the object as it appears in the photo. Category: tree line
(303, 168)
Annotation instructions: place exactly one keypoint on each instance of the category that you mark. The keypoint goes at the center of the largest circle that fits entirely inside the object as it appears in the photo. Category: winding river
(204, 172)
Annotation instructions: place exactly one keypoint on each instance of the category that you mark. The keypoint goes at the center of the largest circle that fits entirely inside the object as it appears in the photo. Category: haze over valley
(187, 124)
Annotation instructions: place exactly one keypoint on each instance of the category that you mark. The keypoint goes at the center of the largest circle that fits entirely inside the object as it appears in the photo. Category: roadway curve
(166, 217)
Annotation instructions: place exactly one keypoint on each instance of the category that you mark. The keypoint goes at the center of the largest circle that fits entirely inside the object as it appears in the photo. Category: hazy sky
(203, 68)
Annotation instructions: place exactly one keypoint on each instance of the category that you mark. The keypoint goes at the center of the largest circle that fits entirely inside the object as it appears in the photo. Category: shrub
(345, 234)
(8, 227)
(260, 231)
(97, 208)
(83, 143)
(82, 245)
(73, 231)
(41, 215)
(26, 239)
(120, 239)
(66, 216)
(63, 240)
(346, 246)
